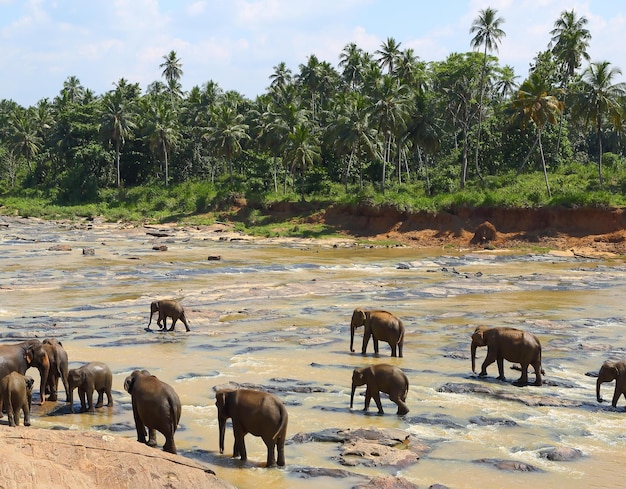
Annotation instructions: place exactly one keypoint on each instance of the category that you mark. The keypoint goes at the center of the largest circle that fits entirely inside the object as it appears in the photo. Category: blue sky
(236, 43)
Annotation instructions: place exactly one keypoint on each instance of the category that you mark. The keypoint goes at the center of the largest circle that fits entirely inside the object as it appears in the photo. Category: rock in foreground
(40, 458)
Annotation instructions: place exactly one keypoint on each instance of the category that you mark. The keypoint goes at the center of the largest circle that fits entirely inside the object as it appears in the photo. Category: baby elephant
(612, 370)
(156, 406)
(382, 378)
(167, 308)
(256, 412)
(16, 393)
(95, 376)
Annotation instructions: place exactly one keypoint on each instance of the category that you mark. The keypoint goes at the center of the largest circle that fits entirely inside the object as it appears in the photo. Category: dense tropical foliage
(377, 122)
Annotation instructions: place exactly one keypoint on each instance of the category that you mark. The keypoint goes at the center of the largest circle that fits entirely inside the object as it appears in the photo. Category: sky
(237, 43)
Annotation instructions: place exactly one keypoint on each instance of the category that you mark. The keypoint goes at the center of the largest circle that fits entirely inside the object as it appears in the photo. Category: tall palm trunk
(543, 162)
(117, 160)
(599, 123)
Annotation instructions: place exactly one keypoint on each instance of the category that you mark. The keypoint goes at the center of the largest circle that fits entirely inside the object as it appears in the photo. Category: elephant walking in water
(168, 308)
(612, 370)
(509, 344)
(16, 393)
(382, 378)
(381, 326)
(256, 412)
(156, 406)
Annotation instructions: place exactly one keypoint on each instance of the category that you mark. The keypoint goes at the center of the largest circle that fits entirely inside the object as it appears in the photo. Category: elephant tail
(282, 429)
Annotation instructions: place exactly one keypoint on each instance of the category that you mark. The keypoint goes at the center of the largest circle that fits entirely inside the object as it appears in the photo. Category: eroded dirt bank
(581, 230)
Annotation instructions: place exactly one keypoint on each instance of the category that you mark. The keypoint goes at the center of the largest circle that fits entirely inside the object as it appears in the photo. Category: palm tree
(162, 129)
(570, 40)
(488, 35)
(172, 72)
(227, 132)
(535, 104)
(302, 152)
(72, 92)
(281, 77)
(351, 62)
(116, 123)
(599, 99)
(25, 141)
(505, 84)
(388, 54)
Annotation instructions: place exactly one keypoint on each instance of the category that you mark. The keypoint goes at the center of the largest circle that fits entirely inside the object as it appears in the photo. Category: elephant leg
(489, 359)
(366, 340)
(90, 399)
(173, 324)
(66, 387)
(280, 448)
(271, 461)
(151, 437)
(54, 384)
(26, 413)
(184, 321)
(368, 398)
(402, 407)
(169, 446)
(393, 349)
(523, 380)
(11, 414)
(109, 398)
(140, 427)
(375, 341)
(376, 396)
(537, 366)
(400, 350)
(240, 447)
(500, 362)
(100, 399)
(83, 399)
(616, 394)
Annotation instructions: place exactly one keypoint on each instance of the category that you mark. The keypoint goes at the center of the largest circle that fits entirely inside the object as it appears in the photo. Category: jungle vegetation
(383, 126)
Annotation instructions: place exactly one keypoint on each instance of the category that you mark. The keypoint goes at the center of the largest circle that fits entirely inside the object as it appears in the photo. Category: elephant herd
(157, 407)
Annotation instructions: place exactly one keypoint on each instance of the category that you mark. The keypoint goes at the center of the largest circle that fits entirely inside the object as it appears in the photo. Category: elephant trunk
(151, 314)
(352, 328)
(222, 422)
(474, 346)
(598, 384)
(352, 395)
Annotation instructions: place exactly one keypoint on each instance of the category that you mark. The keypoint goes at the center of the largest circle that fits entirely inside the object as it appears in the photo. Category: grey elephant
(156, 407)
(58, 368)
(381, 326)
(612, 370)
(168, 308)
(16, 392)
(382, 378)
(514, 345)
(256, 412)
(94, 376)
(21, 356)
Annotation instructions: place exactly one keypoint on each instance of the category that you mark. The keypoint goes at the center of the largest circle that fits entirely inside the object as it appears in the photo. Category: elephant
(21, 356)
(509, 344)
(612, 370)
(167, 308)
(156, 406)
(58, 367)
(94, 376)
(381, 325)
(382, 378)
(16, 392)
(260, 413)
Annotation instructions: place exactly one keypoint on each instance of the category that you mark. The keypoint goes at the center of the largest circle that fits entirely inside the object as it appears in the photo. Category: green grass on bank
(205, 203)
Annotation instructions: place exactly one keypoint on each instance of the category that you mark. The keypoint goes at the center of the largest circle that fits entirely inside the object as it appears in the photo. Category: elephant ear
(129, 383)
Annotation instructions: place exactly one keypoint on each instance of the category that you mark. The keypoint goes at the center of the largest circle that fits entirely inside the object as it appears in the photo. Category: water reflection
(277, 316)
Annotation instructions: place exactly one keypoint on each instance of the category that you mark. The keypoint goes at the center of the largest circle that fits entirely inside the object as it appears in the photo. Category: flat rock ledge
(40, 458)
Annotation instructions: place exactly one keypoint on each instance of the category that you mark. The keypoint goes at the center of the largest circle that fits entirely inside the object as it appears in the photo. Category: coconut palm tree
(116, 123)
(227, 131)
(599, 100)
(281, 77)
(302, 152)
(351, 62)
(25, 141)
(535, 104)
(388, 54)
(488, 34)
(172, 72)
(570, 40)
(162, 129)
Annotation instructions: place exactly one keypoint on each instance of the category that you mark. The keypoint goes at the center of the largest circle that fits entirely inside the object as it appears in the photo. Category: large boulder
(40, 458)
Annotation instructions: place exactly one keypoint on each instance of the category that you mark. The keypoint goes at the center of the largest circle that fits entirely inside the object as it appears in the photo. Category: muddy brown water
(275, 315)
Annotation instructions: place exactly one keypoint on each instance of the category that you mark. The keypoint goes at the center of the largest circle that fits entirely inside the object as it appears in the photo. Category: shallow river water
(275, 315)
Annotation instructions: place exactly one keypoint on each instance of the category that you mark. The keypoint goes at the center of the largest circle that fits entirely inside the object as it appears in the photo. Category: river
(275, 314)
